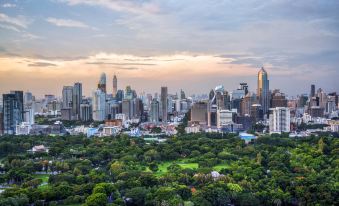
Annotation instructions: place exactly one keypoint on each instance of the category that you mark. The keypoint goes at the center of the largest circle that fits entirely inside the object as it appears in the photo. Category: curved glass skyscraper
(263, 91)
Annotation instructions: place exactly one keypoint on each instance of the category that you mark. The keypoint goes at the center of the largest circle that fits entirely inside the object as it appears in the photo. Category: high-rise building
(127, 108)
(246, 103)
(199, 112)
(67, 96)
(322, 96)
(263, 92)
(128, 93)
(244, 86)
(112, 108)
(330, 106)
(278, 99)
(13, 111)
(227, 100)
(1, 120)
(257, 113)
(99, 105)
(154, 111)
(302, 100)
(182, 94)
(335, 96)
(236, 97)
(139, 108)
(280, 120)
(66, 114)
(28, 97)
(29, 113)
(312, 94)
(164, 104)
(115, 85)
(102, 83)
(76, 100)
(316, 111)
(120, 95)
(85, 112)
(224, 117)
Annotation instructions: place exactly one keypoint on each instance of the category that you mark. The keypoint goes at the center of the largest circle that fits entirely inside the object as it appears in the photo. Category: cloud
(188, 73)
(42, 64)
(17, 22)
(9, 5)
(9, 27)
(124, 64)
(127, 68)
(131, 6)
(67, 23)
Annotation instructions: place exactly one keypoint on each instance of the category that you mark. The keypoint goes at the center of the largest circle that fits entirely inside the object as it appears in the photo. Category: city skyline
(149, 44)
(157, 89)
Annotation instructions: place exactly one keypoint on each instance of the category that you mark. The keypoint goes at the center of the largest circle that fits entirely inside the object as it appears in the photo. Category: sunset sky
(189, 44)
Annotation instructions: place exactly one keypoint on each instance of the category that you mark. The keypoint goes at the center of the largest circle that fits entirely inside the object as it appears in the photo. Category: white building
(280, 120)
(334, 125)
(120, 116)
(110, 131)
(29, 114)
(23, 129)
(40, 148)
(192, 129)
(99, 105)
(224, 117)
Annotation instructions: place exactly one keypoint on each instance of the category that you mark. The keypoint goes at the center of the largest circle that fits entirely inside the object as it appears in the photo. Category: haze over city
(194, 45)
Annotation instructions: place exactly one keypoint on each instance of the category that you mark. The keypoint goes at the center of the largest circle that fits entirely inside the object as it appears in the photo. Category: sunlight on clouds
(143, 72)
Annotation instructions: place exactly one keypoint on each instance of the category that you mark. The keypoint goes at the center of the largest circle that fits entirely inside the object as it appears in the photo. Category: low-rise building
(192, 129)
(110, 130)
(23, 129)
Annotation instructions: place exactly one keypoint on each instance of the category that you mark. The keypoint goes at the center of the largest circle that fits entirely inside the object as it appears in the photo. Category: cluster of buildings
(239, 110)
(115, 111)
(126, 111)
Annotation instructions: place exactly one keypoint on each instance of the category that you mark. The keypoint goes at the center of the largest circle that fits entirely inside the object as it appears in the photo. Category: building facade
(13, 111)
(76, 100)
(164, 104)
(263, 92)
(279, 120)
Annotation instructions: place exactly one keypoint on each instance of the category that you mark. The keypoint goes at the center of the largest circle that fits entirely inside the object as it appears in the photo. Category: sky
(190, 44)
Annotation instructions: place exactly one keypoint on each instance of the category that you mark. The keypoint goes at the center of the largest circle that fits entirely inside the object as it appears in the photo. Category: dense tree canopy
(196, 169)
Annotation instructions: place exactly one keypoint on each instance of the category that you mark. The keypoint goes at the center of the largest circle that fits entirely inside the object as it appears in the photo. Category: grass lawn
(220, 167)
(44, 177)
(162, 168)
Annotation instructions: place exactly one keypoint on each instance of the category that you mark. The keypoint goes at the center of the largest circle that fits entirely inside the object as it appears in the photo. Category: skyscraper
(263, 92)
(1, 120)
(128, 93)
(182, 94)
(154, 113)
(102, 83)
(115, 85)
(76, 100)
(67, 96)
(28, 97)
(312, 94)
(164, 104)
(13, 111)
(127, 108)
(120, 95)
(99, 105)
